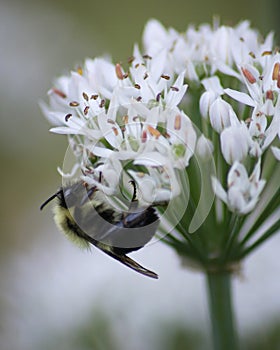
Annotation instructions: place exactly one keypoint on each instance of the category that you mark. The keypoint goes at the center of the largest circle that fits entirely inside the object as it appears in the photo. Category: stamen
(267, 53)
(248, 75)
(86, 110)
(125, 119)
(237, 172)
(102, 103)
(177, 122)
(130, 59)
(276, 73)
(153, 131)
(74, 104)
(145, 76)
(252, 54)
(115, 131)
(111, 121)
(269, 95)
(137, 86)
(166, 77)
(85, 96)
(158, 97)
(59, 93)
(94, 97)
(147, 57)
(119, 72)
(139, 98)
(174, 88)
(144, 136)
(80, 70)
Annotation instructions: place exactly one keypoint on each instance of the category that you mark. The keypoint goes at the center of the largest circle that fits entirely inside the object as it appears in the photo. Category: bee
(83, 215)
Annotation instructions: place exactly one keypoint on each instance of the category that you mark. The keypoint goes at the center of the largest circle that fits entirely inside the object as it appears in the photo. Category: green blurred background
(52, 295)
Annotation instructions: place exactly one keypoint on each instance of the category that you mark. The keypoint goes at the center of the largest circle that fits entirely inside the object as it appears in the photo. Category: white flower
(204, 147)
(160, 185)
(242, 191)
(221, 115)
(235, 142)
(213, 90)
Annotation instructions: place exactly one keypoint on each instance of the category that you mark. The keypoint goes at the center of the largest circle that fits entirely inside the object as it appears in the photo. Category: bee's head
(73, 195)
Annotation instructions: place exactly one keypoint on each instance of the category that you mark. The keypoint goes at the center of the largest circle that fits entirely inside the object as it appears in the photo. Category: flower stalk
(222, 318)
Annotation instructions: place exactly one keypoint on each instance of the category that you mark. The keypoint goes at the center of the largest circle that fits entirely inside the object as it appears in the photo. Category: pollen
(153, 131)
(80, 70)
(248, 75)
(177, 122)
(119, 71)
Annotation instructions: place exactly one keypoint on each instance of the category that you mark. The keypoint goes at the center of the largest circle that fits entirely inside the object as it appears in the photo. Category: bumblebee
(83, 214)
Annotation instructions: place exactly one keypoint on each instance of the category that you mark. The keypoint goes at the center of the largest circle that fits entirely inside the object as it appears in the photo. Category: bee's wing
(124, 259)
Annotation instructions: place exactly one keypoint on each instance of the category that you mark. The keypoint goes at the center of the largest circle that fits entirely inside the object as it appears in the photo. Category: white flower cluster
(114, 115)
(240, 73)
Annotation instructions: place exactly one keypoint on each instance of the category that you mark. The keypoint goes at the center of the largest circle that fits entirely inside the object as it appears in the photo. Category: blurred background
(53, 295)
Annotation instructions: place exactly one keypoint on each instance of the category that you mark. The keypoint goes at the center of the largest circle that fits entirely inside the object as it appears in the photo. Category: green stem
(220, 307)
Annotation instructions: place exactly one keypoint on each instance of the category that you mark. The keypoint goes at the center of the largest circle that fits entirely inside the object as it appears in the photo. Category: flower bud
(235, 142)
(220, 114)
(204, 148)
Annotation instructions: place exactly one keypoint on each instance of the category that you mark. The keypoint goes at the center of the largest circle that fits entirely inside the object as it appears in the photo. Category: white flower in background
(235, 143)
(213, 91)
(242, 191)
(204, 147)
(221, 115)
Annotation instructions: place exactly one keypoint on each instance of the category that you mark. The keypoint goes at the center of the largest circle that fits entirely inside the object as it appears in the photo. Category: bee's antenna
(50, 199)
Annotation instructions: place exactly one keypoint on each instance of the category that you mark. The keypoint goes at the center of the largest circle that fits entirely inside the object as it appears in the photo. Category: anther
(74, 104)
(59, 93)
(248, 75)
